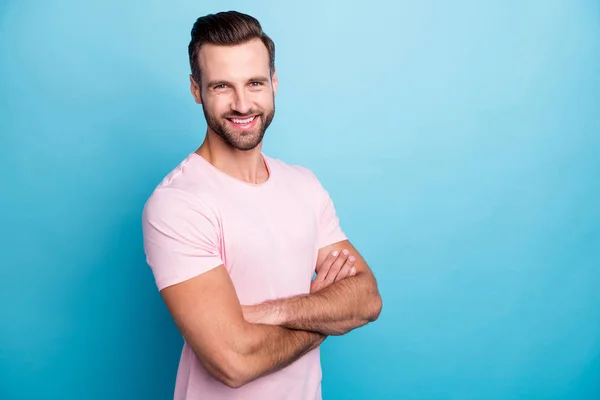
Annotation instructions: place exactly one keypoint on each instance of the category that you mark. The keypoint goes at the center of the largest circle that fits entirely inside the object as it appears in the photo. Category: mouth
(244, 123)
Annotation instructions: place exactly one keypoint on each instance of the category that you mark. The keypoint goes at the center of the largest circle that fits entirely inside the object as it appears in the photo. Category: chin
(245, 142)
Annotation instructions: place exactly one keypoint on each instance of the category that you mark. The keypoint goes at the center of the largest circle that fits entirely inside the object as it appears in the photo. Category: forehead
(234, 63)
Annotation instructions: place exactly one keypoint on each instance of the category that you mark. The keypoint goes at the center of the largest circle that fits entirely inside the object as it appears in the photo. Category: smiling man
(234, 238)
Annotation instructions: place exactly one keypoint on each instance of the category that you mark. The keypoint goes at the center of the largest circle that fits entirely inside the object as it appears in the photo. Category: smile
(244, 123)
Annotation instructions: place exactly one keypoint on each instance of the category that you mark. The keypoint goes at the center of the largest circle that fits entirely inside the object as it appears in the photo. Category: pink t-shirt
(266, 235)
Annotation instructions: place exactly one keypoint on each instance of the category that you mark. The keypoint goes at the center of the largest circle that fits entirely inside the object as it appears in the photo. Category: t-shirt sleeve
(181, 237)
(329, 229)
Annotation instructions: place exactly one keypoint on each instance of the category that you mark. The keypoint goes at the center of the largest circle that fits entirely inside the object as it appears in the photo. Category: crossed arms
(240, 343)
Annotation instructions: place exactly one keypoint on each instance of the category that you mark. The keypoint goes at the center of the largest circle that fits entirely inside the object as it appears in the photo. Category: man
(234, 238)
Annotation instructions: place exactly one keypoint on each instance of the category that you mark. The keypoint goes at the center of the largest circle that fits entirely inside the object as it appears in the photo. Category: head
(233, 76)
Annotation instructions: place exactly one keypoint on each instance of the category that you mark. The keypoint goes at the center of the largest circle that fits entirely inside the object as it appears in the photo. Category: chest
(269, 244)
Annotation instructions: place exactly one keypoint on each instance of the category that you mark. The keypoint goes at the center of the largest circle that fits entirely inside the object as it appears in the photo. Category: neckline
(234, 179)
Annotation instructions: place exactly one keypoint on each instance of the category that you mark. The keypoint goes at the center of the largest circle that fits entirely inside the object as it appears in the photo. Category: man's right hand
(337, 265)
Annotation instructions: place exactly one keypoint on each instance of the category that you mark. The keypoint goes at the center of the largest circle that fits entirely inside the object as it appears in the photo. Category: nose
(241, 103)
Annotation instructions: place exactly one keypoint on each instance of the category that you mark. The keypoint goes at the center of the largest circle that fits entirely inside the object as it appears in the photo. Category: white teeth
(242, 121)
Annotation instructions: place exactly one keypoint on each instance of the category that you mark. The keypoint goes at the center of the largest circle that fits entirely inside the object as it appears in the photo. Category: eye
(221, 86)
(255, 84)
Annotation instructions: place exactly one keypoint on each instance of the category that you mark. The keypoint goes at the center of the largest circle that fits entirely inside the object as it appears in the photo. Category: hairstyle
(227, 28)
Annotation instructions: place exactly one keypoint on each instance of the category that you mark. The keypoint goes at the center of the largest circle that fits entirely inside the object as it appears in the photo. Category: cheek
(264, 100)
(217, 105)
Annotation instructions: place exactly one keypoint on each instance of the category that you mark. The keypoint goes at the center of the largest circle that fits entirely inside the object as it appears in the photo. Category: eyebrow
(259, 79)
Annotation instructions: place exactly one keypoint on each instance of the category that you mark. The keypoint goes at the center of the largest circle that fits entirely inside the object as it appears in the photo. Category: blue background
(459, 140)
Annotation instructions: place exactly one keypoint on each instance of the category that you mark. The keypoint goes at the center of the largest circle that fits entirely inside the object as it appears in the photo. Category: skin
(334, 310)
(236, 81)
(240, 343)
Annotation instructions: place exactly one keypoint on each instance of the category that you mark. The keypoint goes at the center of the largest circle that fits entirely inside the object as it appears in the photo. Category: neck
(247, 166)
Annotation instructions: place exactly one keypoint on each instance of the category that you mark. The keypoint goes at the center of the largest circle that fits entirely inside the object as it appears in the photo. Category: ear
(195, 90)
(275, 81)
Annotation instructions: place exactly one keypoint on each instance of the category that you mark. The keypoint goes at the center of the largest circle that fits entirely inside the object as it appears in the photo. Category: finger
(325, 266)
(315, 286)
(345, 271)
(336, 267)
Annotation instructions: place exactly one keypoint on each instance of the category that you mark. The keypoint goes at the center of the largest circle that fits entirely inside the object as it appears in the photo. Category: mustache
(244, 115)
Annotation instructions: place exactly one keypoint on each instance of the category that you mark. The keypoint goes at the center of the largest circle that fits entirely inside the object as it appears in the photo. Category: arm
(182, 246)
(209, 316)
(335, 310)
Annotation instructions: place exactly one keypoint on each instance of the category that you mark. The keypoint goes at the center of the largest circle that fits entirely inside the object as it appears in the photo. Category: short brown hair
(227, 28)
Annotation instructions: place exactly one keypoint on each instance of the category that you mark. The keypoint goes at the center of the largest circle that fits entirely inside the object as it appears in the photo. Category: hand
(335, 267)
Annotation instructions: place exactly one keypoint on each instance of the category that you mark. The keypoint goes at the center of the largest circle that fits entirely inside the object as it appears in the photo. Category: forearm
(335, 310)
(268, 348)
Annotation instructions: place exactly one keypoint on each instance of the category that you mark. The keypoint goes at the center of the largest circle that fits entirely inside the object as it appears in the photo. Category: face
(236, 92)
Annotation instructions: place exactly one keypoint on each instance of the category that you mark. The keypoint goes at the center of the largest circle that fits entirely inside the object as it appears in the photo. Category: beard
(243, 140)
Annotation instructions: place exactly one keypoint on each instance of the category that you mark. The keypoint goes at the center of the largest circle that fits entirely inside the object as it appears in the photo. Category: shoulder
(184, 193)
